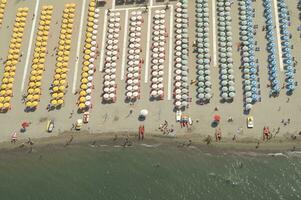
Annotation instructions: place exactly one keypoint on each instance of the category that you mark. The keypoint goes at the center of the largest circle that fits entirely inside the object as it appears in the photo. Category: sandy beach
(280, 113)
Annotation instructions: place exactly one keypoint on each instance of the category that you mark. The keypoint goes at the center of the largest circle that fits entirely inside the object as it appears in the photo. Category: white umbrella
(106, 95)
(144, 112)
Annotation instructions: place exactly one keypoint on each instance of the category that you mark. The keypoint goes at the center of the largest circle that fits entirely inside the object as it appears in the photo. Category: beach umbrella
(217, 117)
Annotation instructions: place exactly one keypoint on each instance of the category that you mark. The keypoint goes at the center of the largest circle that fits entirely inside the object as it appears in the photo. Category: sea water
(145, 172)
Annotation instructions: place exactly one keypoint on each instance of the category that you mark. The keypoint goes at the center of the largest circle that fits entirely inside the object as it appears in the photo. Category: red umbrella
(217, 118)
(25, 125)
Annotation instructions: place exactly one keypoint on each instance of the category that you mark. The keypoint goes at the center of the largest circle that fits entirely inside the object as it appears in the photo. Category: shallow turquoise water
(146, 173)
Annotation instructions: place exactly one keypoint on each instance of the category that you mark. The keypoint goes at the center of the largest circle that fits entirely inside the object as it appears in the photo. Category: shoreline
(188, 141)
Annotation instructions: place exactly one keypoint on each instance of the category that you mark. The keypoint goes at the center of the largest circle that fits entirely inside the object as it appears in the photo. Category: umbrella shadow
(214, 124)
(141, 118)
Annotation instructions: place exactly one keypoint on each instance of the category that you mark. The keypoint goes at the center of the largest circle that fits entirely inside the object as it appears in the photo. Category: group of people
(164, 128)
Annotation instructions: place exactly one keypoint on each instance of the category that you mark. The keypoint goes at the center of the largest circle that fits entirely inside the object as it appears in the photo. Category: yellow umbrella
(9, 86)
(81, 105)
(33, 78)
(57, 76)
(9, 92)
(3, 86)
(83, 93)
(71, 15)
(31, 84)
(48, 17)
(88, 46)
(59, 64)
(60, 53)
(41, 60)
(85, 69)
(5, 80)
(1, 105)
(83, 86)
(55, 82)
(64, 69)
(18, 40)
(66, 10)
(66, 58)
(86, 63)
(87, 51)
(69, 30)
(88, 40)
(54, 102)
(1, 99)
(20, 29)
(41, 28)
(12, 74)
(55, 89)
(34, 66)
(85, 74)
(6, 74)
(63, 31)
(33, 72)
(40, 67)
(92, 9)
(60, 58)
(87, 57)
(58, 70)
(90, 24)
(70, 20)
(46, 33)
(38, 84)
(2, 92)
(7, 98)
(61, 47)
(84, 80)
(88, 34)
(91, 14)
(62, 82)
(67, 47)
(6, 105)
(16, 57)
(28, 104)
(38, 78)
(64, 26)
(92, 4)
(54, 95)
(7, 68)
(8, 62)
(60, 101)
(36, 60)
(35, 103)
(60, 95)
(36, 97)
(42, 54)
(14, 62)
(63, 75)
(11, 51)
(36, 55)
(62, 88)
(65, 64)
(43, 49)
(68, 41)
(70, 26)
(82, 99)
(30, 91)
(37, 91)
(66, 53)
